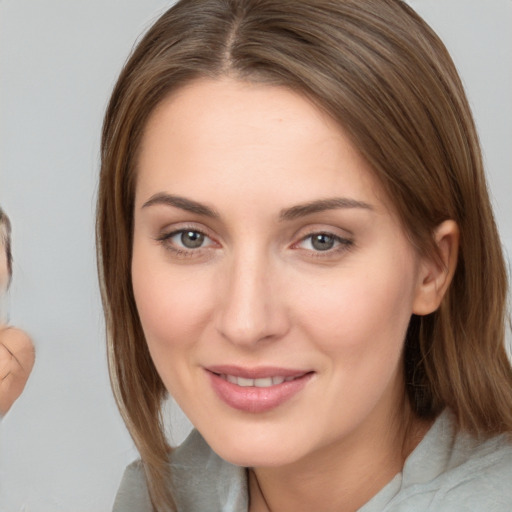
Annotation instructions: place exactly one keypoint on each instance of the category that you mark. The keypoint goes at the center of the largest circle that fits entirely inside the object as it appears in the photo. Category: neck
(341, 477)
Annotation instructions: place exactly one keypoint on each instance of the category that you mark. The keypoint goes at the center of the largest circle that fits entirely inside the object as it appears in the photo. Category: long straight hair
(377, 69)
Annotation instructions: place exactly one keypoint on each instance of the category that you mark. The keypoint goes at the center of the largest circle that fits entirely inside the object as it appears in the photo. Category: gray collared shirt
(449, 471)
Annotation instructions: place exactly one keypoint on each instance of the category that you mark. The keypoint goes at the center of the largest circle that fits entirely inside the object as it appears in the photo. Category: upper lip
(259, 372)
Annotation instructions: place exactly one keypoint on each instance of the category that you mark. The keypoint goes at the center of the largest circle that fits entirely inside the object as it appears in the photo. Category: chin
(254, 457)
(264, 448)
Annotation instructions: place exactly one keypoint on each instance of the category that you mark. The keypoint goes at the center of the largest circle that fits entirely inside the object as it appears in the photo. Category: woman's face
(273, 281)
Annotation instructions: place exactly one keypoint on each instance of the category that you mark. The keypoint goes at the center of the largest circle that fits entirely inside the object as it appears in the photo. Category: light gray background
(63, 446)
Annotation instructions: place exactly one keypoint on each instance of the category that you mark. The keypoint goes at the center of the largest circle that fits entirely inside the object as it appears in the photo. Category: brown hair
(5, 242)
(383, 74)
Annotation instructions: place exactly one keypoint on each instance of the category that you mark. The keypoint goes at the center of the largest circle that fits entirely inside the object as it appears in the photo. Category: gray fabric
(447, 472)
(451, 472)
(203, 482)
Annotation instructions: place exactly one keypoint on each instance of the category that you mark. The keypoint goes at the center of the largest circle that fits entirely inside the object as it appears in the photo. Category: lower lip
(256, 400)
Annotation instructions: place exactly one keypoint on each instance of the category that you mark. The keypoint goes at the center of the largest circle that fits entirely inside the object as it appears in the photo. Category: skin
(16, 353)
(258, 292)
(4, 274)
(16, 363)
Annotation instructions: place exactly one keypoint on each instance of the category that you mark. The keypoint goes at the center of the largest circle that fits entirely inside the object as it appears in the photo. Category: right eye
(188, 239)
(185, 241)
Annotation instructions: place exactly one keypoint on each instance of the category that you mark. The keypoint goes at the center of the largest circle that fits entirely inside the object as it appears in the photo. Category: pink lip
(260, 372)
(254, 399)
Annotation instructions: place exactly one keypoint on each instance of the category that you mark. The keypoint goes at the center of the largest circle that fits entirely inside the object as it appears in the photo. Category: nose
(253, 308)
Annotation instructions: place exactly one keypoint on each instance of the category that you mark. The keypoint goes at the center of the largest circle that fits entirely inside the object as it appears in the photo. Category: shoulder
(201, 481)
(133, 495)
(15, 339)
(480, 480)
(18, 343)
(451, 471)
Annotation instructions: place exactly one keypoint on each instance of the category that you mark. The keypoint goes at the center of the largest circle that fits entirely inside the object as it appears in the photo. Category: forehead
(227, 132)
(237, 110)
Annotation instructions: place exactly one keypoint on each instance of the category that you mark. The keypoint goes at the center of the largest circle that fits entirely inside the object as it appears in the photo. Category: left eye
(322, 242)
(188, 239)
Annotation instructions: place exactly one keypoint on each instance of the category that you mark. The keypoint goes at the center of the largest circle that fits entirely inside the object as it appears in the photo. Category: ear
(436, 274)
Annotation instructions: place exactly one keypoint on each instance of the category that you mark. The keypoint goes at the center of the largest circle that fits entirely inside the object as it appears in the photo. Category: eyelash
(343, 244)
(183, 252)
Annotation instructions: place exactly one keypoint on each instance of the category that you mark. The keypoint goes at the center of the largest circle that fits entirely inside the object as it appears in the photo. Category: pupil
(322, 242)
(192, 239)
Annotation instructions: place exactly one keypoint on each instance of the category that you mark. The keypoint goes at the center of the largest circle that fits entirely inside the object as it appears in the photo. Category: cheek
(364, 308)
(358, 322)
(173, 303)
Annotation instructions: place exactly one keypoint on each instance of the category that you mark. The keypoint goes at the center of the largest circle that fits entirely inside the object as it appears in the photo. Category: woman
(16, 349)
(295, 241)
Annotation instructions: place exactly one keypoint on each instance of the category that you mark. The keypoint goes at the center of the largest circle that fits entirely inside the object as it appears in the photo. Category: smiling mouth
(265, 382)
(257, 390)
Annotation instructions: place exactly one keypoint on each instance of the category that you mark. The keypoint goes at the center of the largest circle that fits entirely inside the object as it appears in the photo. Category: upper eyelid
(325, 229)
(340, 239)
(300, 234)
(171, 234)
(171, 230)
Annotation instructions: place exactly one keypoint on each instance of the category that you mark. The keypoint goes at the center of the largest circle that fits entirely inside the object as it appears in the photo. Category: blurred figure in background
(16, 349)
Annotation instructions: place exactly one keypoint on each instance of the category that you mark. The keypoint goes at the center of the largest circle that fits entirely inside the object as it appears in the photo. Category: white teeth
(263, 383)
(232, 379)
(245, 383)
(257, 383)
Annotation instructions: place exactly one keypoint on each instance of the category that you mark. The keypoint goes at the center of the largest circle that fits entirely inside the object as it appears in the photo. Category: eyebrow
(302, 210)
(294, 212)
(181, 202)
